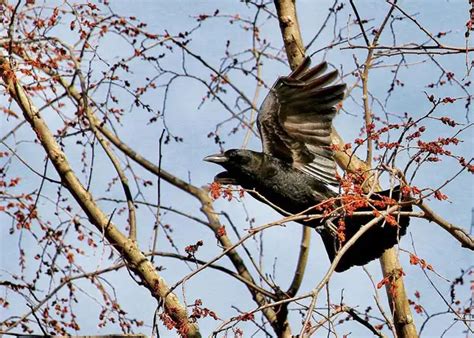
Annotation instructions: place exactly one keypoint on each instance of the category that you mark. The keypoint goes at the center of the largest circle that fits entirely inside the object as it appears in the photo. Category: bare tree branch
(128, 248)
(464, 238)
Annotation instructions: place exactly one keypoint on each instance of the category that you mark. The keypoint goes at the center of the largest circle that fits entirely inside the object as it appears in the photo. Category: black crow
(296, 169)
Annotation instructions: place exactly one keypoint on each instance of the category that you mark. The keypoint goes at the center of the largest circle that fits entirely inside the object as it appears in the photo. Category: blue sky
(184, 159)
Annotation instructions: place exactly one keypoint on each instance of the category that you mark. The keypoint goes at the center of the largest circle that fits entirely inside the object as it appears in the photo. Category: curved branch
(201, 194)
(464, 238)
(128, 248)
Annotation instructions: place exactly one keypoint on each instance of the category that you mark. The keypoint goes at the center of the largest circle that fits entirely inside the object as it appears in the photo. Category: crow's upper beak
(217, 158)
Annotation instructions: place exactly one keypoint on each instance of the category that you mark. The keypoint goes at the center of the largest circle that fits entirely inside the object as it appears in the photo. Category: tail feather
(373, 243)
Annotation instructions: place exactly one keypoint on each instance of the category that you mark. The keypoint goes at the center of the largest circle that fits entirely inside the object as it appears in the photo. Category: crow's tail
(374, 242)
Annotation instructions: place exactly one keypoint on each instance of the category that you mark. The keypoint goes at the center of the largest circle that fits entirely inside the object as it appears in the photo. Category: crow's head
(240, 164)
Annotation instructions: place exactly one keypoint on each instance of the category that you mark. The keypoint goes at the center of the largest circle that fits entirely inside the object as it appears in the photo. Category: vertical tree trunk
(402, 317)
(397, 297)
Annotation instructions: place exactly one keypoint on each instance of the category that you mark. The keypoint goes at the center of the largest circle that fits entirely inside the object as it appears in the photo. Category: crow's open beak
(217, 158)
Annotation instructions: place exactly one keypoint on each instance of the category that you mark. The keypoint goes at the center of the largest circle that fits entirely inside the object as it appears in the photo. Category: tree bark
(398, 301)
(403, 319)
(127, 247)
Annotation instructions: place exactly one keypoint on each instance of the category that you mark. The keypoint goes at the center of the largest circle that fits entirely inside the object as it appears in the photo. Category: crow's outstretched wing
(295, 120)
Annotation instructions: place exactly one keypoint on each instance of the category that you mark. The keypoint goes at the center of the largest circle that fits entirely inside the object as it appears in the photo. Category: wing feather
(295, 120)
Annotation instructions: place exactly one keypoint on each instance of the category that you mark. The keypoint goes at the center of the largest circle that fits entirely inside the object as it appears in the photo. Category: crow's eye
(238, 156)
(244, 158)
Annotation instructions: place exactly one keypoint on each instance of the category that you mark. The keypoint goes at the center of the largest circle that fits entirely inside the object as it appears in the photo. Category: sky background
(281, 244)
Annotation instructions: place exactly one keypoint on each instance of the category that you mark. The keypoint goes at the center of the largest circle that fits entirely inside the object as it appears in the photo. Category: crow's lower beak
(217, 158)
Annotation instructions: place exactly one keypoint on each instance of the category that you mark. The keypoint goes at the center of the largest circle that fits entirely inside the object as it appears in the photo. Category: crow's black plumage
(296, 169)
